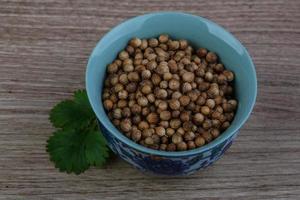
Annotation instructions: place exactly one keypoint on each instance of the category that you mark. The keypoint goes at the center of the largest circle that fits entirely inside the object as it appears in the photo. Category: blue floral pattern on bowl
(165, 165)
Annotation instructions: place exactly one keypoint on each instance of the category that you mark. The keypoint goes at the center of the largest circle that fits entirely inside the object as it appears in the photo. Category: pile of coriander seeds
(164, 95)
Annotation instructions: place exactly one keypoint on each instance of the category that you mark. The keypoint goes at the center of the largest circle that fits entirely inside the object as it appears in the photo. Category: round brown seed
(142, 101)
(125, 125)
(165, 115)
(135, 42)
(171, 147)
(163, 38)
(153, 42)
(184, 100)
(183, 44)
(202, 52)
(191, 145)
(210, 103)
(170, 132)
(108, 104)
(146, 74)
(185, 116)
(136, 135)
(186, 87)
(163, 147)
(207, 136)
(161, 94)
(117, 113)
(174, 104)
(174, 84)
(176, 138)
(160, 131)
(182, 146)
(162, 105)
(199, 141)
(215, 132)
(188, 77)
(152, 118)
(205, 110)
(198, 118)
(211, 57)
(149, 141)
(189, 136)
(143, 125)
(175, 123)
(146, 89)
(148, 132)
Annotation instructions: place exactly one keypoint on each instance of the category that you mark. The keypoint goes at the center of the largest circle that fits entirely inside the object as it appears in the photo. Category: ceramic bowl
(200, 32)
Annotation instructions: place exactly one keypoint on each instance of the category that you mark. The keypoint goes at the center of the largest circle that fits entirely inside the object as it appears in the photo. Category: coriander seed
(144, 44)
(163, 147)
(152, 118)
(161, 94)
(117, 113)
(184, 100)
(143, 125)
(199, 141)
(135, 42)
(198, 118)
(176, 138)
(174, 84)
(183, 44)
(149, 141)
(211, 57)
(175, 123)
(128, 68)
(153, 42)
(182, 146)
(108, 104)
(202, 52)
(176, 95)
(165, 115)
(164, 124)
(146, 89)
(207, 136)
(148, 132)
(186, 87)
(191, 145)
(189, 136)
(188, 77)
(170, 132)
(136, 135)
(229, 75)
(174, 104)
(215, 132)
(125, 125)
(184, 116)
(160, 131)
(171, 147)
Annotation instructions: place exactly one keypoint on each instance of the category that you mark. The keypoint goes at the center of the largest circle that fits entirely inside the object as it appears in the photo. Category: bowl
(200, 32)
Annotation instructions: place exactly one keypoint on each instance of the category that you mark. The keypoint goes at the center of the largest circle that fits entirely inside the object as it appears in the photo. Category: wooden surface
(44, 47)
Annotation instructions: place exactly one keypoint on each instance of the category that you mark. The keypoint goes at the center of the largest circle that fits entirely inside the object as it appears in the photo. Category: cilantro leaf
(76, 150)
(96, 151)
(75, 113)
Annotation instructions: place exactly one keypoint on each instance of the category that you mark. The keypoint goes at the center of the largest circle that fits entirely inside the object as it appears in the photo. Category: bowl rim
(138, 147)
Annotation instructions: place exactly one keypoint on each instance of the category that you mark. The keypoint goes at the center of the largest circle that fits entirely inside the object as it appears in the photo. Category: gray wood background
(44, 47)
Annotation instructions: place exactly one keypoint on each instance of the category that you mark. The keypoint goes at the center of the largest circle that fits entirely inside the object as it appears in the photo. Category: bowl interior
(200, 32)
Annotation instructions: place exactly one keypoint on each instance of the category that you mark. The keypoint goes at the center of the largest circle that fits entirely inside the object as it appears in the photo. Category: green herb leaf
(71, 114)
(75, 151)
(77, 144)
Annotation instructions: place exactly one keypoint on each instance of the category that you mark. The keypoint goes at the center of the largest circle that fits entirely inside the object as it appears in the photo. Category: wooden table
(44, 47)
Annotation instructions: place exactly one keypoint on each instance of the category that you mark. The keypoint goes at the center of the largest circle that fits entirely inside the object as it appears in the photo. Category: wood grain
(44, 47)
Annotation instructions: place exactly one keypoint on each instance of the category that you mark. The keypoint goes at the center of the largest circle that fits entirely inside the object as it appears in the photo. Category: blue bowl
(200, 32)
